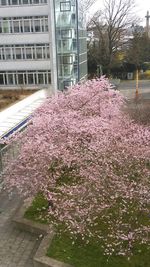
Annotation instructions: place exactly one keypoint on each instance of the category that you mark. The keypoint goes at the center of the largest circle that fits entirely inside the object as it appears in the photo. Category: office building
(42, 44)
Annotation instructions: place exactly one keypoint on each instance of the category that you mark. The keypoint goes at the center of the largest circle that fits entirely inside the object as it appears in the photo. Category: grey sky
(141, 8)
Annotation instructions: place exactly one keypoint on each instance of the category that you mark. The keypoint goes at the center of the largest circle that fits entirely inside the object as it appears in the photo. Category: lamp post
(137, 83)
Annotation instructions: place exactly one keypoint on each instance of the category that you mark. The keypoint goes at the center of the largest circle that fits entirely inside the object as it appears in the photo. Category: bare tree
(84, 6)
(112, 23)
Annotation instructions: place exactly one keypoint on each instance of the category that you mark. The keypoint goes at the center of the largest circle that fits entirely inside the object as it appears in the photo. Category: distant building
(42, 44)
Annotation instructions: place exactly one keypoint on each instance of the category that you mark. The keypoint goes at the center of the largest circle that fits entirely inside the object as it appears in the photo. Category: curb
(40, 259)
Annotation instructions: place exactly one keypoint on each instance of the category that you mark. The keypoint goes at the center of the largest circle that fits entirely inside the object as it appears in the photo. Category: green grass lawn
(79, 254)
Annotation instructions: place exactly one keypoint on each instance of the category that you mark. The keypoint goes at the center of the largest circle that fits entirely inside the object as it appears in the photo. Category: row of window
(23, 24)
(26, 52)
(25, 78)
(21, 2)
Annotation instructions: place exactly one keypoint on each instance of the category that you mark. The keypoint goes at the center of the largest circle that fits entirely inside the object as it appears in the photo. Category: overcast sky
(142, 6)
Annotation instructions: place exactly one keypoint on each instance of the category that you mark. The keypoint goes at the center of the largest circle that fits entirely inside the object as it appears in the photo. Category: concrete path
(128, 89)
(16, 247)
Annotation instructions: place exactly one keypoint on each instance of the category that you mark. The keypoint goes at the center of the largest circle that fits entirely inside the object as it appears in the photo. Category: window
(66, 33)
(5, 26)
(65, 45)
(67, 83)
(49, 78)
(73, 18)
(40, 78)
(37, 26)
(65, 59)
(39, 52)
(47, 52)
(20, 78)
(18, 53)
(46, 25)
(7, 53)
(25, 77)
(30, 78)
(3, 2)
(28, 53)
(1, 79)
(10, 79)
(25, 2)
(27, 26)
(35, 1)
(22, 2)
(65, 6)
(74, 44)
(1, 30)
(14, 2)
(67, 70)
(16, 26)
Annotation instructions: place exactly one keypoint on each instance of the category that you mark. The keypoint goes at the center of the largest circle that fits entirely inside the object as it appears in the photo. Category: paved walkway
(16, 247)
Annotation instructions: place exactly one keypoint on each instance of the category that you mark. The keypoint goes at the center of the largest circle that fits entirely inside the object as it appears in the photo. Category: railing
(7, 154)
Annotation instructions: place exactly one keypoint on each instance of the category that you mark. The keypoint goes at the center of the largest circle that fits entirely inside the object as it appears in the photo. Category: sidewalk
(16, 247)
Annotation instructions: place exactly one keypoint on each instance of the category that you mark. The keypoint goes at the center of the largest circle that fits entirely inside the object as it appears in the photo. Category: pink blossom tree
(91, 162)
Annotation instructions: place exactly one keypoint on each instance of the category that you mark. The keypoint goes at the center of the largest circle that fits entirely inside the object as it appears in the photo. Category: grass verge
(78, 254)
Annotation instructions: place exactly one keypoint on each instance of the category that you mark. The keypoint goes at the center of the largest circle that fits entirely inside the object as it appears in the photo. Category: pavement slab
(17, 247)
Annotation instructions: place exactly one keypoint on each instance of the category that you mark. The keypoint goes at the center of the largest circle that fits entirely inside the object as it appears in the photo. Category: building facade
(42, 44)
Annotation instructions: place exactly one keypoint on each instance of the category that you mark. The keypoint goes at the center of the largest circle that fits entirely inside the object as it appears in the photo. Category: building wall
(41, 37)
(24, 44)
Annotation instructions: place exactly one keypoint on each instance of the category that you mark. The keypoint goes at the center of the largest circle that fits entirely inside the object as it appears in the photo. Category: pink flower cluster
(91, 161)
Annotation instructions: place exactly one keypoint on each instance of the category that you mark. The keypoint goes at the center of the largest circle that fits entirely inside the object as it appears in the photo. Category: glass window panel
(49, 77)
(48, 52)
(28, 53)
(73, 18)
(5, 26)
(16, 26)
(21, 26)
(1, 79)
(14, 2)
(46, 24)
(67, 59)
(25, 2)
(7, 53)
(1, 27)
(11, 26)
(26, 25)
(10, 79)
(65, 6)
(3, 2)
(65, 45)
(20, 78)
(35, 1)
(1, 54)
(74, 44)
(67, 83)
(40, 78)
(67, 70)
(37, 25)
(66, 34)
(39, 52)
(30, 78)
(18, 53)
